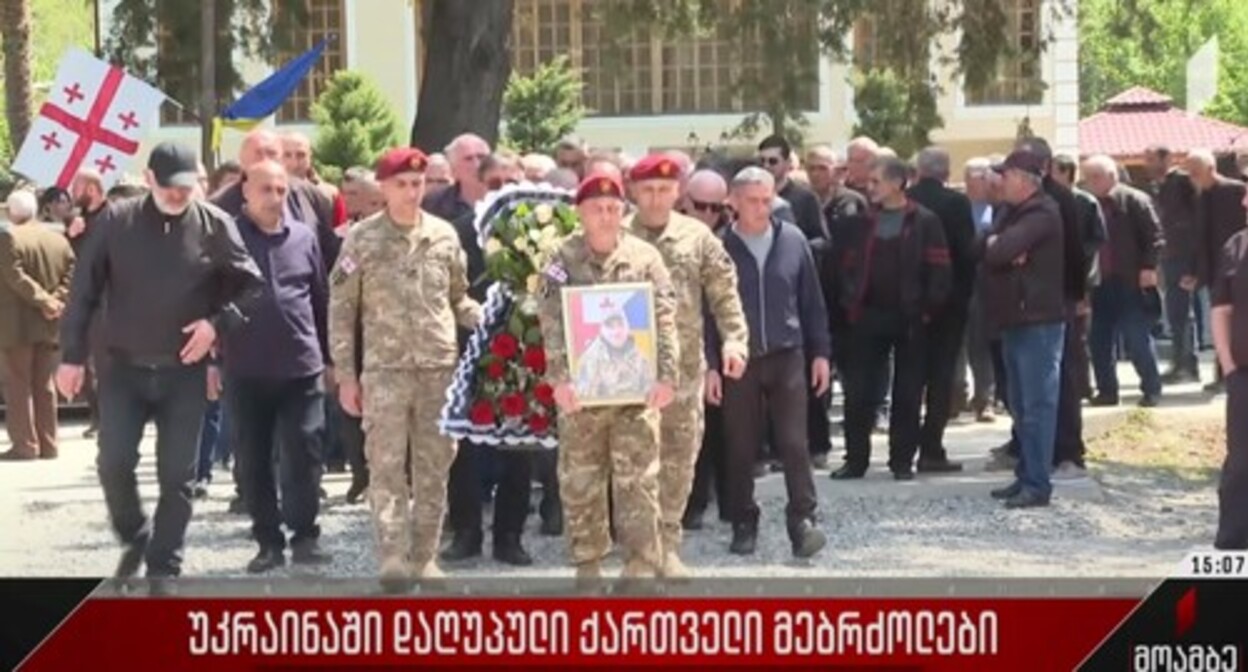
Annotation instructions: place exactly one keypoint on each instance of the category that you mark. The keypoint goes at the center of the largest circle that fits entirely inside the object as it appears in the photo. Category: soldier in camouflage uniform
(402, 275)
(613, 363)
(616, 446)
(700, 267)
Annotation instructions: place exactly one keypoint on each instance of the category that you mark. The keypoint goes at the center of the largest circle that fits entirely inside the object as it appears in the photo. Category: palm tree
(15, 30)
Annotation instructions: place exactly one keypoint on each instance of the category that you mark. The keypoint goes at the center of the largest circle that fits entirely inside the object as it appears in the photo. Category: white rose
(543, 212)
(492, 246)
(531, 283)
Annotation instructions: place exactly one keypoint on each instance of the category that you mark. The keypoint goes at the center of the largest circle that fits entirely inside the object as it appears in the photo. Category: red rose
(495, 370)
(535, 359)
(539, 423)
(482, 413)
(504, 346)
(512, 405)
(545, 394)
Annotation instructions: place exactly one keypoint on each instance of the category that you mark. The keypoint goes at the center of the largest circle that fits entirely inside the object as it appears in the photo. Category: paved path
(1118, 525)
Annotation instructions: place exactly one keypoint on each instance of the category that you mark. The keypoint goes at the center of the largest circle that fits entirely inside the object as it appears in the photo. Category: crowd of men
(265, 315)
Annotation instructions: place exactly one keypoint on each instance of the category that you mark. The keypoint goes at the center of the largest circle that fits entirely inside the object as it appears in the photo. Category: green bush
(354, 125)
(540, 109)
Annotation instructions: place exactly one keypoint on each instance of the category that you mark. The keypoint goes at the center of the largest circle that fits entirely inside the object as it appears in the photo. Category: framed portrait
(610, 335)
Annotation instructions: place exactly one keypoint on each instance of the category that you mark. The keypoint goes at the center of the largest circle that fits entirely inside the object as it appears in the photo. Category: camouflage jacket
(632, 261)
(704, 279)
(407, 290)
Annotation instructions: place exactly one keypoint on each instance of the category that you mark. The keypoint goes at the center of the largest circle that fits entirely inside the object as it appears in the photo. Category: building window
(1018, 80)
(324, 18)
(646, 74)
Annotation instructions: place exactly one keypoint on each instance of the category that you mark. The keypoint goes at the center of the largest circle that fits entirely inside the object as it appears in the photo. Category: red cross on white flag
(94, 117)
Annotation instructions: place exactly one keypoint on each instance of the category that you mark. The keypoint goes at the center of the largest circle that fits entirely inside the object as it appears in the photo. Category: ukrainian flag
(264, 98)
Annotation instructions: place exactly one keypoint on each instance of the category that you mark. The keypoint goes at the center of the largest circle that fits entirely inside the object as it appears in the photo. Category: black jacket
(1134, 234)
(1219, 215)
(1031, 292)
(953, 210)
(1174, 198)
(1092, 230)
(925, 262)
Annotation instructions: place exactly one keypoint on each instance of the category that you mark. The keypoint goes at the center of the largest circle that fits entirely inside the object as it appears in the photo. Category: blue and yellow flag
(264, 98)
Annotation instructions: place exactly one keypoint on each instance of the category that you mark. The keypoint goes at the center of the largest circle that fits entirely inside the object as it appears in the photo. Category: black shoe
(132, 557)
(509, 551)
(320, 492)
(358, 485)
(237, 506)
(336, 467)
(464, 546)
(903, 475)
(199, 490)
(938, 465)
(1150, 400)
(308, 552)
(1026, 500)
(807, 539)
(691, 521)
(1216, 387)
(552, 525)
(848, 472)
(267, 559)
(744, 539)
(1103, 400)
(91, 432)
(1008, 491)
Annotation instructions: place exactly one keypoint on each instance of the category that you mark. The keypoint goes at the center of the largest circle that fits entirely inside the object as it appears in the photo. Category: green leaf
(533, 336)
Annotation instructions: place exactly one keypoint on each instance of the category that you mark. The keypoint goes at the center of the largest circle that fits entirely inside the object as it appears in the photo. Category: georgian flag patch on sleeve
(345, 268)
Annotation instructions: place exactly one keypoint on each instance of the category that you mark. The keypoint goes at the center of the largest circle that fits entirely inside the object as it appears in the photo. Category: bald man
(307, 203)
(705, 198)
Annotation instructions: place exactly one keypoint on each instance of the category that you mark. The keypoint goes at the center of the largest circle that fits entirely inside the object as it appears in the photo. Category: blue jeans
(1033, 363)
(1179, 304)
(1119, 308)
(214, 441)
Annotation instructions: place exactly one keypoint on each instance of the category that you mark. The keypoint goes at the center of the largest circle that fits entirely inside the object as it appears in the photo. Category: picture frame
(611, 342)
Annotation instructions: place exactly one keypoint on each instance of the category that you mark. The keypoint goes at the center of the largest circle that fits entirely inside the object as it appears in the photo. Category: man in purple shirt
(274, 368)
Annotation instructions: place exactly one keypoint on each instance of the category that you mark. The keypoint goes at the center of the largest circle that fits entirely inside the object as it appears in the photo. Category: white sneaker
(1069, 471)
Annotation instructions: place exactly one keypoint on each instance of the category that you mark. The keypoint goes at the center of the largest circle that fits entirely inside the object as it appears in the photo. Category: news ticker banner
(1192, 621)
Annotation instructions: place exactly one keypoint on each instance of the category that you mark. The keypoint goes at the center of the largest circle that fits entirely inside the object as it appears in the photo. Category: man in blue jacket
(788, 322)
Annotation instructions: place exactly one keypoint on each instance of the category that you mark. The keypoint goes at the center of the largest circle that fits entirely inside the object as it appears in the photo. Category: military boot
(674, 569)
(430, 572)
(395, 578)
(637, 569)
(588, 576)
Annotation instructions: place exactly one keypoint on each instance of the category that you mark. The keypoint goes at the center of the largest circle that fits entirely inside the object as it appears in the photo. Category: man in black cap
(175, 275)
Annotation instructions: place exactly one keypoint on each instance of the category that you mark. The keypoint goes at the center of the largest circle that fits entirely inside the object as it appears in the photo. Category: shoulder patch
(556, 273)
(344, 269)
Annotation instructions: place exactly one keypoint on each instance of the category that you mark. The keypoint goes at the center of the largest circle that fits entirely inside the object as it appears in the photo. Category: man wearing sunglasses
(704, 199)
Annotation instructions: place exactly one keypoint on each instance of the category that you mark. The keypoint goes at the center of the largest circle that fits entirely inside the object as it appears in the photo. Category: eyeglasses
(770, 160)
(704, 206)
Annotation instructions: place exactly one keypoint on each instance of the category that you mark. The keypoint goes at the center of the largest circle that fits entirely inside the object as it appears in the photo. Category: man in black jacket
(945, 330)
(784, 308)
(1024, 295)
(174, 274)
(886, 275)
(1128, 270)
(1174, 197)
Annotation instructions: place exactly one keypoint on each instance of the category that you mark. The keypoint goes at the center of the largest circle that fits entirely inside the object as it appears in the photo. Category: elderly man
(705, 198)
(1128, 269)
(275, 366)
(402, 277)
(946, 327)
(1220, 214)
(465, 153)
(1174, 196)
(439, 175)
(537, 166)
(361, 194)
(860, 156)
(36, 265)
(174, 276)
(307, 203)
(705, 283)
(1024, 296)
(616, 447)
(977, 175)
(887, 274)
(789, 360)
(826, 170)
(571, 153)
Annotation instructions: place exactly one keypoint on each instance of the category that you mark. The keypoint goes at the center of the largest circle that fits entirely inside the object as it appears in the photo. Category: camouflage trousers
(401, 410)
(681, 435)
(616, 447)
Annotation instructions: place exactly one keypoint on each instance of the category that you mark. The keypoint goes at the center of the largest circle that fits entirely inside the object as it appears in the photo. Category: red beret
(401, 160)
(599, 185)
(655, 167)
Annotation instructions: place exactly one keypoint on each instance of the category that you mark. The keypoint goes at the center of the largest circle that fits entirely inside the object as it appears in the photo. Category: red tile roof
(1138, 118)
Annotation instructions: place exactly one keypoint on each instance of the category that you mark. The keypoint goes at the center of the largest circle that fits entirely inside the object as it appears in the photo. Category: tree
(889, 113)
(15, 28)
(468, 63)
(542, 108)
(354, 123)
(1125, 43)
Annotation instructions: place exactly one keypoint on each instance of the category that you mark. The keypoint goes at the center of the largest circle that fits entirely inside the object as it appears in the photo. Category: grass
(1189, 446)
